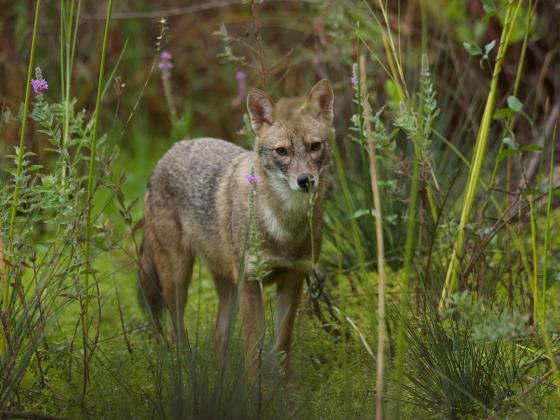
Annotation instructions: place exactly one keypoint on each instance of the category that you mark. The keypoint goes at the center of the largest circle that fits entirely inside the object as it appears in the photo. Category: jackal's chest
(286, 240)
(283, 228)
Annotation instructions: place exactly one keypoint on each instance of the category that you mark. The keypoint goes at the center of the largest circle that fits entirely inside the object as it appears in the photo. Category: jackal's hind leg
(226, 289)
(174, 262)
(289, 286)
(252, 323)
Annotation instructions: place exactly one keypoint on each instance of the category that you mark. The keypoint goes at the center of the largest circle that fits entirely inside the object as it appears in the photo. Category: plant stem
(510, 118)
(68, 34)
(380, 244)
(535, 277)
(91, 181)
(478, 158)
(408, 252)
(542, 313)
(20, 156)
(397, 76)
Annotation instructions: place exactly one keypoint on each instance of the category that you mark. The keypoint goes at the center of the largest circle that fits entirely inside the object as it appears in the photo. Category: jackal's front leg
(252, 322)
(289, 286)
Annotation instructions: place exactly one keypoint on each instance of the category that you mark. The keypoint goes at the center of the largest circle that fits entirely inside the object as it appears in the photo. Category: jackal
(197, 204)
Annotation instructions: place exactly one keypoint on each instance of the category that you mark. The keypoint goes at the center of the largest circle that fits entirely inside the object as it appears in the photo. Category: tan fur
(197, 205)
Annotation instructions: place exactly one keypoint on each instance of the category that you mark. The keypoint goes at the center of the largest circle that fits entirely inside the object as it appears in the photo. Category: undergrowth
(469, 226)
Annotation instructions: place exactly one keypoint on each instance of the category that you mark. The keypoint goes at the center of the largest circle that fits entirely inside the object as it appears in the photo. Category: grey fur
(197, 205)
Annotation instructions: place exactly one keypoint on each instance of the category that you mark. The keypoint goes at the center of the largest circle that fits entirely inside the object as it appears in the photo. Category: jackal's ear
(260, 109)
(321, 99)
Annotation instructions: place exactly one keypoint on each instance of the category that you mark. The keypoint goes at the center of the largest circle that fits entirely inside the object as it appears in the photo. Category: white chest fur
(274, 226)
(284, 221)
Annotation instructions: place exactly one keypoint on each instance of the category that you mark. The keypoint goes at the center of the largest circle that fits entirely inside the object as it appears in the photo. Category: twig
(316, 295)
(380, 244)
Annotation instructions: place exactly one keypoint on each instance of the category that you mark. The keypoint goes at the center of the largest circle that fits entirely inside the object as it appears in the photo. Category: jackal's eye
(282, 151)
(315, 146)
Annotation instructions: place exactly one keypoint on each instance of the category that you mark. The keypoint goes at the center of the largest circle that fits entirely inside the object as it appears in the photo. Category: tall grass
(381, 334)
(89, 195)
(479, 153)
(540, 304)
(475, 357)
(415, 119)
(69, 22)
(452, 375)
(7, 292)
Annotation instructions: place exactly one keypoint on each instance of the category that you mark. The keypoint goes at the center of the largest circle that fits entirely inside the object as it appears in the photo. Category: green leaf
(532, 148)
(472, 49)
(532, 191)
(489, 7)
(502, 113)
(552, 278)
(489, 47)
(362, 212)
(505, 153)
(510, 143)
(514, 104)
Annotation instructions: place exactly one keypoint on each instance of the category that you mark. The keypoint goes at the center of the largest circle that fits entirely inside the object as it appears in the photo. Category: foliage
(80, 348)
(454, 374)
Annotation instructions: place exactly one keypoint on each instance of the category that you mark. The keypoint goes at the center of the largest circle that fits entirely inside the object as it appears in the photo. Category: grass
(7, 289)
(481, 145)
(76, 343)
(89, 195)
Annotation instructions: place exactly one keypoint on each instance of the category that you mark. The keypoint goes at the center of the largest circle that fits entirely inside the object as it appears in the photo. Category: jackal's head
(292, 138)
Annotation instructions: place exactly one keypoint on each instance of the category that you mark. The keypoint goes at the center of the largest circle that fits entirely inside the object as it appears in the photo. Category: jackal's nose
(306, 181)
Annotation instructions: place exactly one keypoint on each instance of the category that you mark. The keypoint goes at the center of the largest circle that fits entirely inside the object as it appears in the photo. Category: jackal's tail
(149, 288)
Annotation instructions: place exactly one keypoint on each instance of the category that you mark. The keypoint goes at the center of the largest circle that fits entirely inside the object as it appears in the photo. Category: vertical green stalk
(542, 313)
(91, 176)
(91, 181)
(20, 155)
(535, 277)
(478, 158)
(520, 64)
(69, 21)
(397, 75)
(547, 229)
(423, 27)
(381, 335)
(408, 255)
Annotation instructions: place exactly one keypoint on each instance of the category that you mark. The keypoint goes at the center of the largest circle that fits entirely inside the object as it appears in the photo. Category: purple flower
(252, 178)
(354, 80)
(240, 75)
(165, 64)
(39, 85)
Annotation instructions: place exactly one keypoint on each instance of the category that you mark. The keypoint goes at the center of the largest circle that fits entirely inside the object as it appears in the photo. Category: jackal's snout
(303, 182)
(306, 181)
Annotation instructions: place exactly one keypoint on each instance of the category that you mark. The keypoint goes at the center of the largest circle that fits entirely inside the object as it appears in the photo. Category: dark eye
(315, 146)
(282, 151)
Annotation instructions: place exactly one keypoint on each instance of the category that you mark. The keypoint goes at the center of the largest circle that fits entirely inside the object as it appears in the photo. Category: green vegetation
(436, 294)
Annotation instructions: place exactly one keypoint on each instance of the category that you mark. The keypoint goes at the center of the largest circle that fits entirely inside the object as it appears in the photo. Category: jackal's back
(190, 173)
